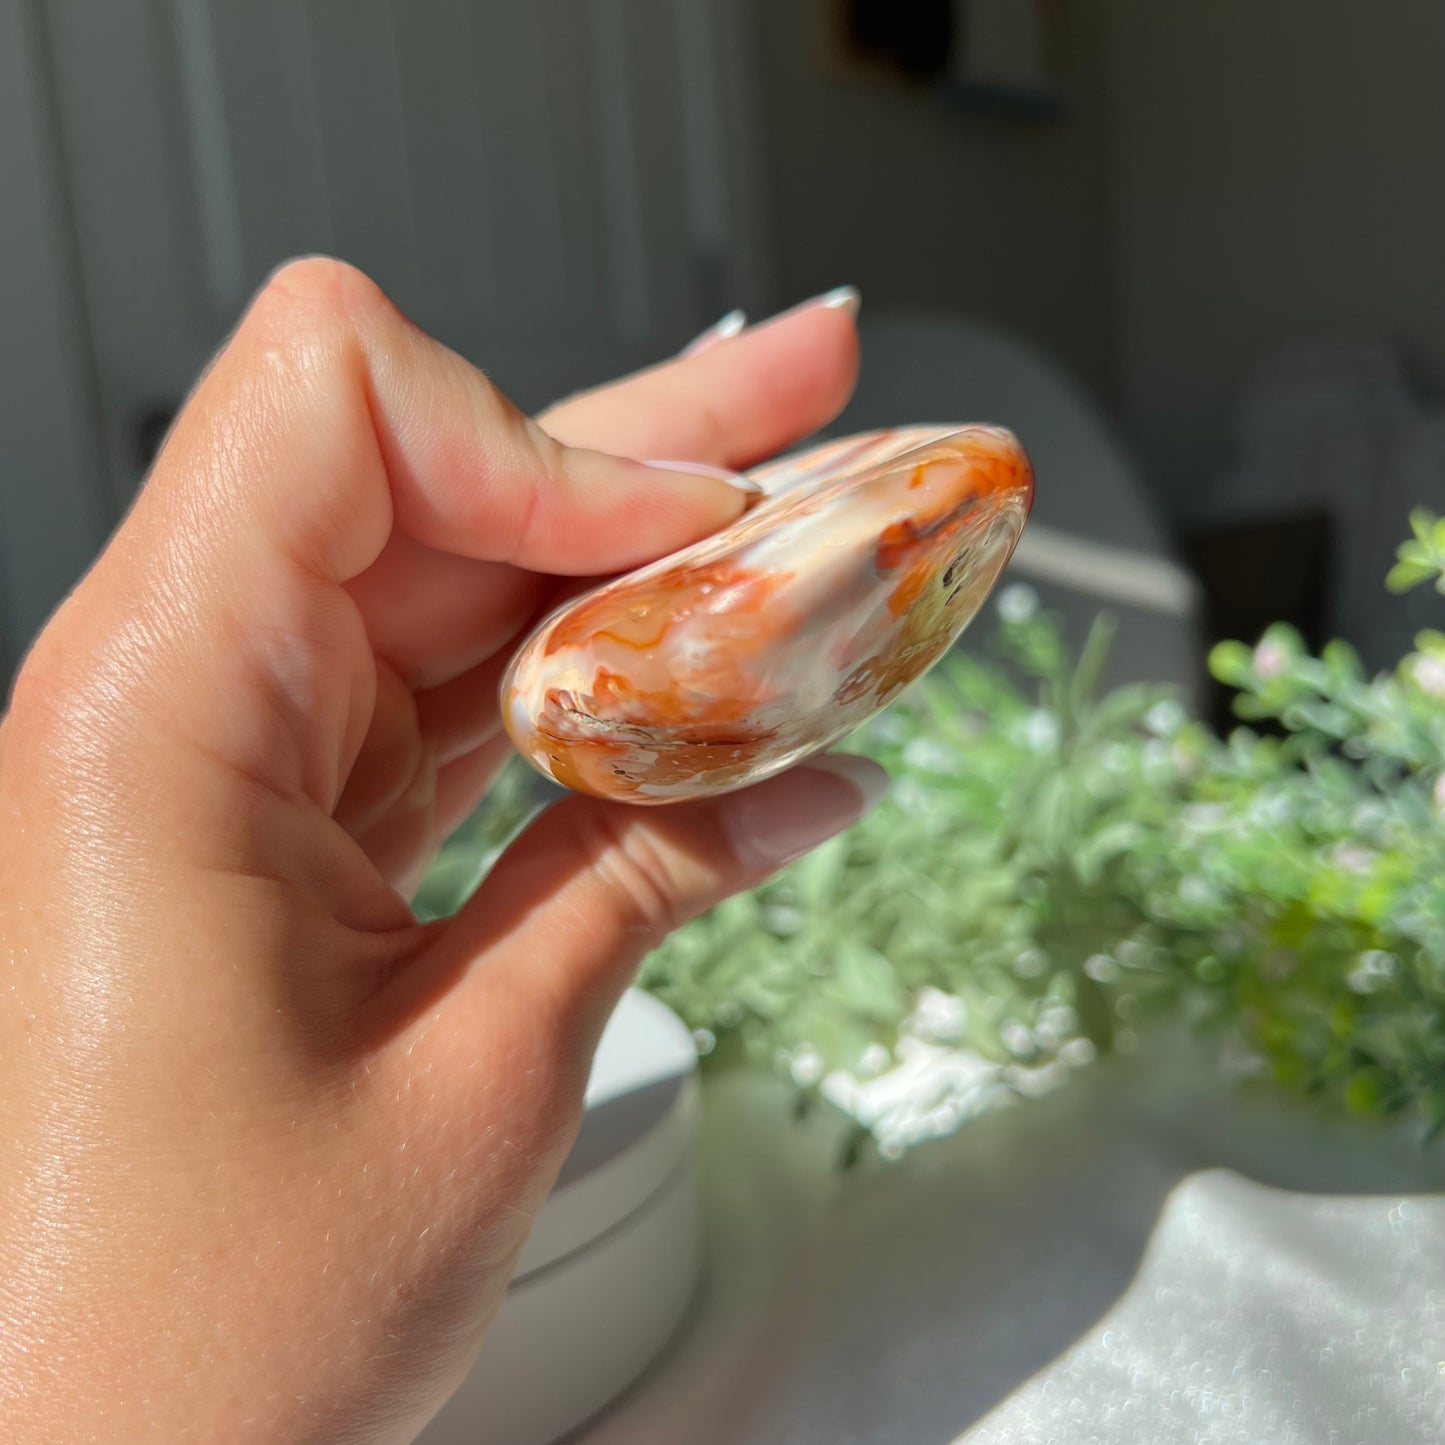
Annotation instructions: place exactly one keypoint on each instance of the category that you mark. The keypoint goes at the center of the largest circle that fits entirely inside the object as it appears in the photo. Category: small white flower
(1200, 818)
(1429, 674)
(1034, 1083)
(1270, 810)
(783, 918)
(930, 755)
(1017, 602)
(1372, 971)
(1362, 980)
(1077, 1052)
(1017, 1039)
(807, 1067)
(1437, 793)
(1114, 757)
(909, 796)
(1198, 891)
(937, 1016)
(874, 1059)
(1353, 858)
(1055, 1026)
(1132, 953)
(1031, 963)
(1165, 718)
(1269, 659)
(1040, 731)
(1059, 1019)
(887, 728)
(928, 1091)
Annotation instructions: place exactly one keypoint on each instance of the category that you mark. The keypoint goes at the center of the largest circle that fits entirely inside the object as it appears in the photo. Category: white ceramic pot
(612, 1260)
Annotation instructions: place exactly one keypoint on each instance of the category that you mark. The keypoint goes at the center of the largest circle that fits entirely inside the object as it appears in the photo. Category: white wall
(560, 191)
(1279, 171)
(536, 183)
(919, 204)
(166, 221)
(1224, 177)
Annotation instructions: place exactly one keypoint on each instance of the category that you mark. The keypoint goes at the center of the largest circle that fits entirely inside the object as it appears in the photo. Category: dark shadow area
(617, 1122)
(1257, 573)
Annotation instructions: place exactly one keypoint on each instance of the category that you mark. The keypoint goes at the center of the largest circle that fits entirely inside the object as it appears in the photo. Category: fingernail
(781, 819)
(722, 330)
(718, 474)
(840, 298)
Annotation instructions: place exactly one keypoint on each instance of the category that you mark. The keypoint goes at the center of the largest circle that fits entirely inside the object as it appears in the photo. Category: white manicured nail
(702, 469)
(842, 298)
(723, 329)
(779, 820)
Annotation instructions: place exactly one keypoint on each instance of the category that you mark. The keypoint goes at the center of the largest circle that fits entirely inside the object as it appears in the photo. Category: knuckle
(640, 877)
(717, 435)
(550, 453)
(395, 768)
(548, 457)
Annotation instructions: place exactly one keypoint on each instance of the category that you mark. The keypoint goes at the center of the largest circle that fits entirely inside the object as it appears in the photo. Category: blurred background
(1190, 252)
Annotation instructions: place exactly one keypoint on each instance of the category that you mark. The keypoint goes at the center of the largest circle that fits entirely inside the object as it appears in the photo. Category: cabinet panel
(540, 184)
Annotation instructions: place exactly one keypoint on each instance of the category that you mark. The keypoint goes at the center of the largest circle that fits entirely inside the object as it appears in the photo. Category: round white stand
(612, 1261)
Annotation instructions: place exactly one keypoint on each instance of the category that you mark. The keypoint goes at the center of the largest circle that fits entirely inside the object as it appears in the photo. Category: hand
(270, 1146)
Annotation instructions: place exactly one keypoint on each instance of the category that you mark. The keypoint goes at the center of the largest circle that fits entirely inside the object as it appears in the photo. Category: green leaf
(865, 984)
(1365, 1093)
(1404, 576)
(1103, 847)
(1092, 661)
(1096, 1014)
(1232, 663)
(1291, 886)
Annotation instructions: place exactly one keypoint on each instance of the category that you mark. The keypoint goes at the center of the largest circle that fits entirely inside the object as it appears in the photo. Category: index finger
(738, 403)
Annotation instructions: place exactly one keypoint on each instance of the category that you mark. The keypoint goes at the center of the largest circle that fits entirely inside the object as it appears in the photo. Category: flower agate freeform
(726, 662)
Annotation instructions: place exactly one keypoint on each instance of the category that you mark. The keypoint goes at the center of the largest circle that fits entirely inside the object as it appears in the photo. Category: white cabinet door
(551, 186)
(53, 506)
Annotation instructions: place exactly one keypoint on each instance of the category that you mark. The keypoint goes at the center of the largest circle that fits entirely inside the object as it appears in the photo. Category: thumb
(557, 929)
(219, 615)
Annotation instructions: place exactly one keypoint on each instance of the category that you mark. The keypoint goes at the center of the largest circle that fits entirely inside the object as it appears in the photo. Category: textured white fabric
(1150, 1255)
(1259, 1315)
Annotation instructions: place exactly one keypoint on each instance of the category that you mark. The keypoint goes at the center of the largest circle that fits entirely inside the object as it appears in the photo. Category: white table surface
(1150, 1254)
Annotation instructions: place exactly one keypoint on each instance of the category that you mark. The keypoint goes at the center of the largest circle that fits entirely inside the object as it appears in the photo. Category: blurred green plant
(1054, 863)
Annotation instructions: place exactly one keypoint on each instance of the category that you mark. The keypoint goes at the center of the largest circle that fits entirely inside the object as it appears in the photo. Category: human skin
(270, 1146)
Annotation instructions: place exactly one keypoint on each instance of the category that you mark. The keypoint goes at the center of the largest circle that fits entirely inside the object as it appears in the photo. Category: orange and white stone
(741, 655)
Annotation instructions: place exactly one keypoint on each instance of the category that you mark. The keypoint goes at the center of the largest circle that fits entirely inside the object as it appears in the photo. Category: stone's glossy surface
(734, 658)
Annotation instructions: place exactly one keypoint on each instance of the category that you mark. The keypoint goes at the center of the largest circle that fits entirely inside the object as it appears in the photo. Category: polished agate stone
(730, 660)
